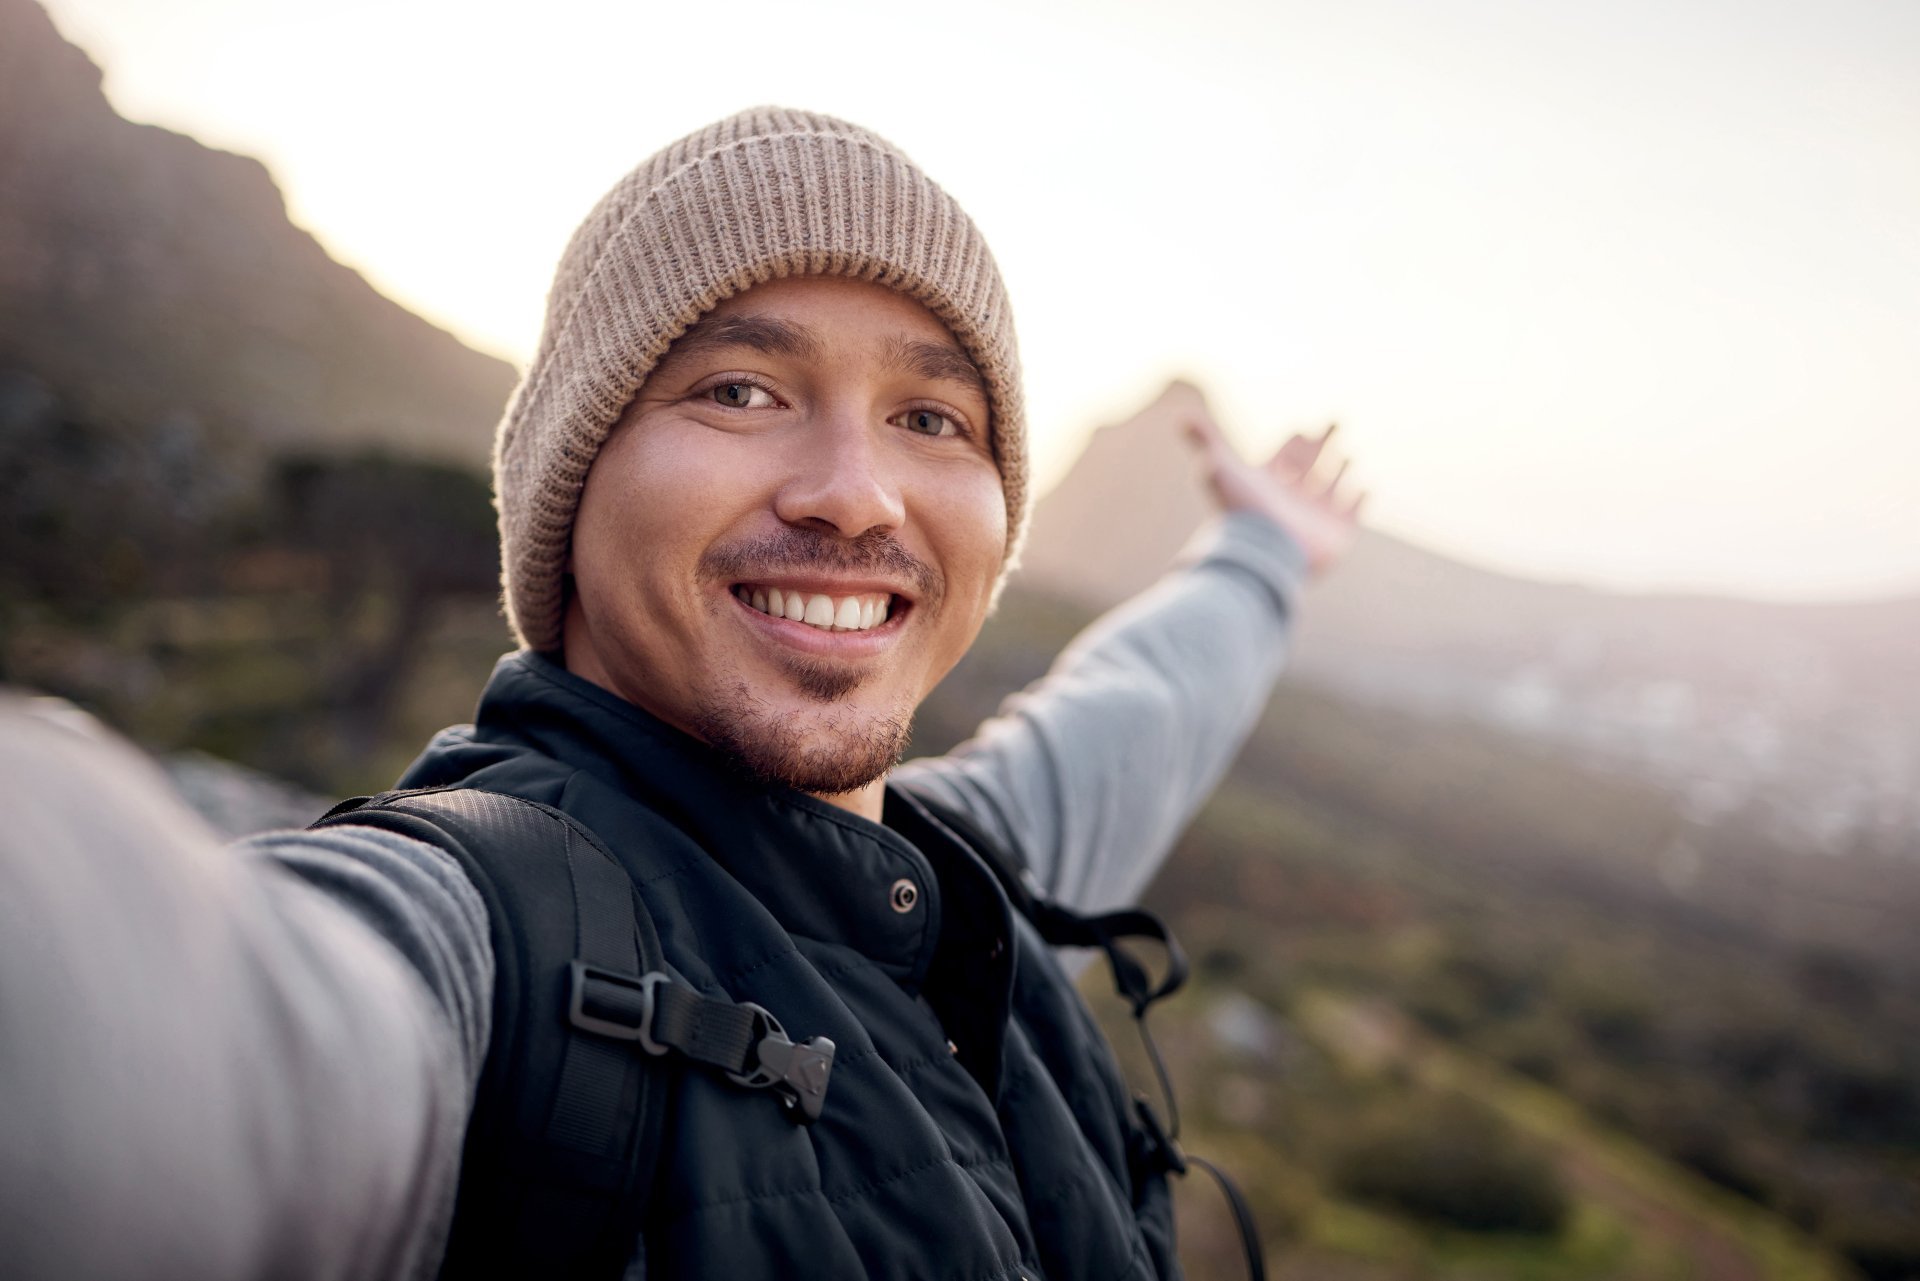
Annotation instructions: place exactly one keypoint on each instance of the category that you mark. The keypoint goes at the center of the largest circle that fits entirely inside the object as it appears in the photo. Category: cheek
(971, 525)
(624, 538)
(664, 485)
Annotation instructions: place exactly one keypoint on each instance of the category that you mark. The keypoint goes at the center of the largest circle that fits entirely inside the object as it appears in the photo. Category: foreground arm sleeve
(222, 1062)
(1093, 771)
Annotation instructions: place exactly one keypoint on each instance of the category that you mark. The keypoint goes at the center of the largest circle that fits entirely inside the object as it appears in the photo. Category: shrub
(1454, 1164)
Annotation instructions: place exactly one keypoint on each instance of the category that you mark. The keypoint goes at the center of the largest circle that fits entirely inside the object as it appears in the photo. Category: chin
(829, 747)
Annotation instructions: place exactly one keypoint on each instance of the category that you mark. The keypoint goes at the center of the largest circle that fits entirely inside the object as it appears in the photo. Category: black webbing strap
(586, 1102)
(716, 1033)
(1242, 1217)
(662, 1014)
(1131, 978)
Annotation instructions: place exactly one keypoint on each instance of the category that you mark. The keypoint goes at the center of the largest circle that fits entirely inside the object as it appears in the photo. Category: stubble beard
(835, 750)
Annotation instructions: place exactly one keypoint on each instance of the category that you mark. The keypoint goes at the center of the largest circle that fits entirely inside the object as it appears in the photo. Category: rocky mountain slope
(146, 278)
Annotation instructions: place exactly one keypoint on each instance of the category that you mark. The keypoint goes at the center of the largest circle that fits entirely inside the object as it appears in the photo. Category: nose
(840, 479)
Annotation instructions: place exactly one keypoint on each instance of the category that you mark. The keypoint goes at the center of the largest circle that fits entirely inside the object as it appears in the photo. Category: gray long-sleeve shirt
(220, 1067)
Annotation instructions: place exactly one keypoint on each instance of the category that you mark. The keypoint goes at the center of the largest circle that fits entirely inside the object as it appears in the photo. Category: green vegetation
(1453, 1163)
(312, 616)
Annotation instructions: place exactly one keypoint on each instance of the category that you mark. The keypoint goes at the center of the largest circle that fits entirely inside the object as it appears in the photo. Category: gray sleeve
(217, 1062)
(1093, 771)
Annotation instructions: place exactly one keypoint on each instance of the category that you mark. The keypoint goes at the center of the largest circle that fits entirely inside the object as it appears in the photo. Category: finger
(1338, 475)
(1293, 459)
(1313, 449)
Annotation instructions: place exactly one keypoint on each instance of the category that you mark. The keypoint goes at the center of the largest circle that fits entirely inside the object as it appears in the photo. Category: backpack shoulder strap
(557, 1166)
(559, 1159)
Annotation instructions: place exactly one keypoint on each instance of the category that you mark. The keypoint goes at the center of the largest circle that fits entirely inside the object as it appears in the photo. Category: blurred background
(1559, 921)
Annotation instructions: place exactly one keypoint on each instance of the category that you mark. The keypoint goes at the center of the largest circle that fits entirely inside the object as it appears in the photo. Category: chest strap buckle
(796, 1071)
(744, 1041)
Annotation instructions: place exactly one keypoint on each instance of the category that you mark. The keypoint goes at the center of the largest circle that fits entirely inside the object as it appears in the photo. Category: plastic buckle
(797, 1072)
(803, 1070)
(584, 975)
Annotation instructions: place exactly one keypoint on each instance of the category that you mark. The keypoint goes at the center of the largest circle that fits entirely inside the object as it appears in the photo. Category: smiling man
(664, 966)
(811, 476)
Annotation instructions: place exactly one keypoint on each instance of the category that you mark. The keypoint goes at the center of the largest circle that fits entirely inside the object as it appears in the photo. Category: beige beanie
(760, 195)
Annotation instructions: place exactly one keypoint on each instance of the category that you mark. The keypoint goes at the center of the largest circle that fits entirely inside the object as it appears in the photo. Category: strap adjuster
(614, 1005)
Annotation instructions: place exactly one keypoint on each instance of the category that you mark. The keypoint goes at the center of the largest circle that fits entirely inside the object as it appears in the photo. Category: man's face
(815, 440)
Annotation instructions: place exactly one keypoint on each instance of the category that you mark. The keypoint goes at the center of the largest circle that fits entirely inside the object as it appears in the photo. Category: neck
(866, 801)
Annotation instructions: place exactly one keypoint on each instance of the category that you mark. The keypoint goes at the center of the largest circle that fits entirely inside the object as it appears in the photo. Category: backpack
(555, 1174)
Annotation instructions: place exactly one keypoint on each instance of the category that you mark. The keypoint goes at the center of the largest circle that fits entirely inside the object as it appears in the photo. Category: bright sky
(1624, 292)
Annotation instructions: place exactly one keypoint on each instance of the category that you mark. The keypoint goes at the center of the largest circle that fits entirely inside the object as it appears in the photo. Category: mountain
(145, 277)
(1805, 717)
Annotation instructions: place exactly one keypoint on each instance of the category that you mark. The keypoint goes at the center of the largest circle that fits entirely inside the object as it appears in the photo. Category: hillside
(145, 278)
(1465, 1008)
(1802, 718)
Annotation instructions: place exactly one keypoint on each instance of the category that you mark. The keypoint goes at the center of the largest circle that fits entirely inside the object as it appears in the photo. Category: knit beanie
(761, 195)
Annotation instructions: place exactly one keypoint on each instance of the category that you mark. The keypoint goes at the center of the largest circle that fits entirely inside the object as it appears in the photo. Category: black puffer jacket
(976, 1126)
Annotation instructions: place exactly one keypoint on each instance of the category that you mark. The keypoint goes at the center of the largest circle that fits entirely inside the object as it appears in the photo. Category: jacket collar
(823, 873)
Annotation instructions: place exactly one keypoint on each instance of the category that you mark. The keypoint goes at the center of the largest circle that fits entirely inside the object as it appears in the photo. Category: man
(758, 492)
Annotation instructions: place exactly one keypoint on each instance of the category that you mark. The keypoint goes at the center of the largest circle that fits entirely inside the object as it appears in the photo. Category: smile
(857, 613)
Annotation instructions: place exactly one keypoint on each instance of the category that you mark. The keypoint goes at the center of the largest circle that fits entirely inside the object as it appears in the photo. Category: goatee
(834, 751)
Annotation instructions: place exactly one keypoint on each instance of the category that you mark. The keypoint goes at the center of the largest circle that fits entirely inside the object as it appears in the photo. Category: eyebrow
(760, 333)
(935, 360)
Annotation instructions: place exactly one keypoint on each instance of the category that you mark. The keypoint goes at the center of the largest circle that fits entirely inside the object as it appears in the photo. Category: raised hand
(1293, 488)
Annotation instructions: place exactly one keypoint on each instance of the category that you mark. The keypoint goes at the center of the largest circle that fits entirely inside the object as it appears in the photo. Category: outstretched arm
(222, 1062)
(1092, 772)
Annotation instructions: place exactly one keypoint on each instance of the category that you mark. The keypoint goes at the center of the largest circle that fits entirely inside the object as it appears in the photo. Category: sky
(1622, 293)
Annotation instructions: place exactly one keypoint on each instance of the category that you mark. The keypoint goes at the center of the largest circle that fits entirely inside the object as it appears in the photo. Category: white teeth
(842, 614)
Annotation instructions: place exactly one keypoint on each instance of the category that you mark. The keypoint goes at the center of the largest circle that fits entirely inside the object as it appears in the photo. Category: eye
(930, 422)
(738, 395)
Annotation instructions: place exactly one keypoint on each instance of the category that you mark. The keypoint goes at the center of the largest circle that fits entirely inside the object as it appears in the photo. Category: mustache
(798, 549)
